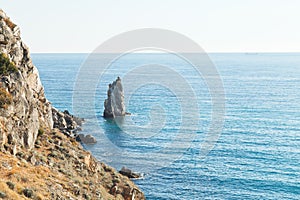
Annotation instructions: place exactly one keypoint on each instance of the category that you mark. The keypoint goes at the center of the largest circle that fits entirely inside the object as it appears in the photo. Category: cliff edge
(29, 110)
(38, 161)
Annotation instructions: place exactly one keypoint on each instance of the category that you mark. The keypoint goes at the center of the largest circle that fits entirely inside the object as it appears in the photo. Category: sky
(68, 26)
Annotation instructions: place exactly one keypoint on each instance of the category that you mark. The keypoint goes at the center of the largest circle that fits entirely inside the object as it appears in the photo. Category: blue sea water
(257, 155)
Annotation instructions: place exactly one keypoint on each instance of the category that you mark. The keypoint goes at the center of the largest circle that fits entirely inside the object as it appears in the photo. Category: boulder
(86, 139)
(130, 174)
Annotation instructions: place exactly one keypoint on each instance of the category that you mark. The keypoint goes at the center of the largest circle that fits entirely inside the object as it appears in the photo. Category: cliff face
(114, 104)
(38, 161)
(29, 111)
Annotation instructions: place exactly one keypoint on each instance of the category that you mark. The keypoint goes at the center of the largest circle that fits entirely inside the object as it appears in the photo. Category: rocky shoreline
(59, 168)
(66, 123)
(40, 156)
(70, 125)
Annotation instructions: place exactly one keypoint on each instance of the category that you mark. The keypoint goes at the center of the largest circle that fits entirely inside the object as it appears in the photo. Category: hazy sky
(217, 25)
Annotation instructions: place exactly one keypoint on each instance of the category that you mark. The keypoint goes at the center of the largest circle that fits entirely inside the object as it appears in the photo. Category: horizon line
(211, 52)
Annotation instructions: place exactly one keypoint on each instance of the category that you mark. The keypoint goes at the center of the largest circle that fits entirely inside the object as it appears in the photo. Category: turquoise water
(257, 155)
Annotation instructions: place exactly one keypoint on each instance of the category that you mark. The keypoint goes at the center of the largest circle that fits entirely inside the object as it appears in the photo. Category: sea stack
(114, 104)
(39, 157)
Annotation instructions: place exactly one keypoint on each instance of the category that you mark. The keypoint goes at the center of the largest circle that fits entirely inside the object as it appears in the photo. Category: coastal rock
(86, 139)
(114, 104)
(66, 122)
(29, 110)
(130, 174)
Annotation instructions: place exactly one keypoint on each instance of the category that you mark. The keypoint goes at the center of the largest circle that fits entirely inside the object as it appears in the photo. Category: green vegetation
(5, 98)
(28, 192)
(40, 131)
(6, 66)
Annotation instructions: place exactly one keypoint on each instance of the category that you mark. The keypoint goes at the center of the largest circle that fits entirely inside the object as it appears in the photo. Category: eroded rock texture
(29, 110)
(114, 104)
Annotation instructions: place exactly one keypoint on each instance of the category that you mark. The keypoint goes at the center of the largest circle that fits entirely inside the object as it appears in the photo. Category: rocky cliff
(114, 104)
(29, 110)
(37, 160)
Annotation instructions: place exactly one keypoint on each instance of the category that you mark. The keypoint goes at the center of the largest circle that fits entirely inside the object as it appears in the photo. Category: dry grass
(11, 194)
(63, 177)
(24, 175)
(5, 98)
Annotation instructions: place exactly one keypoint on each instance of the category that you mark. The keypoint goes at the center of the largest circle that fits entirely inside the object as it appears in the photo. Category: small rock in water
(87, 139)
(130, 174)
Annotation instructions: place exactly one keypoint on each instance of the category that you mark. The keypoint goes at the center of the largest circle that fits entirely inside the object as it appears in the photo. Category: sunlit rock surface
(114, 104)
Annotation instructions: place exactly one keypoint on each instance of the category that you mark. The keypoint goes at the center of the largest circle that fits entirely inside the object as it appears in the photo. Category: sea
(254, 155)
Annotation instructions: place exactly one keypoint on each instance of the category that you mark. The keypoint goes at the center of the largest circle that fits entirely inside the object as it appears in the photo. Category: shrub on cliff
(5, 98)
(6, 66)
